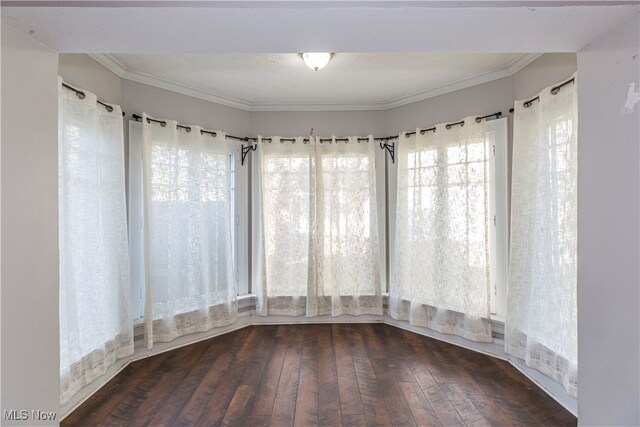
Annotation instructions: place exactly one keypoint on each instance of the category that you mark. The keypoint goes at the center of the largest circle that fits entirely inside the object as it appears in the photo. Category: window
(164, 182)
(347, 225)
(233, 209)
(286, 200)
(445, 272)
(319, 203)
(190, 227)
(190, 277)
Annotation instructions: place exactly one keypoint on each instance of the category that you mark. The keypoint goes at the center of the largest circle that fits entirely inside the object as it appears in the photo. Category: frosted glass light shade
(316, 60)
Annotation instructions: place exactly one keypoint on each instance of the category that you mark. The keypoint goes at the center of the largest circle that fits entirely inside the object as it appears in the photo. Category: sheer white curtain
(287, 209)
(190, 284)
(541, 325)
(345, 245)
(440, 271)
(319, 227)
(95, 290)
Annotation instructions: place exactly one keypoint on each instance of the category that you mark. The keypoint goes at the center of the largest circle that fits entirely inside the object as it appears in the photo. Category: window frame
(498, 209)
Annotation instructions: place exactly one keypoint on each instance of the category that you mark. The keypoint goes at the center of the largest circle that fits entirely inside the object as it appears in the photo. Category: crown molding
(447, 88)
(121, 71)
(110, 63)
(522, 61)
(320, 106)
(515, 66)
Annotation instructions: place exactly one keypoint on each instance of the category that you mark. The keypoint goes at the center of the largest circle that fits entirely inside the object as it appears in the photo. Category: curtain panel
(96, 327)
(319, 252)
(189, 264)
(440, 266)
(541, 324)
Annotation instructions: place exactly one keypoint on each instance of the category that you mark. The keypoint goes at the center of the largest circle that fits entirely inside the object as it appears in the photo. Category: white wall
(608, 231)
(486, 98)
(550, 68)
(139, 97)
(324, 123)
(82, 71)
(29, 248)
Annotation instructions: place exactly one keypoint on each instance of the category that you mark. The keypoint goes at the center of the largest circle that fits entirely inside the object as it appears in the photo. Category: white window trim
(242, 221)
(135, 219)
(499, 237)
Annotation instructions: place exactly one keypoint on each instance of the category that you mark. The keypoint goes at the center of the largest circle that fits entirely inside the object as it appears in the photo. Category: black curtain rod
(340, 139)
(80, 94)
(422, 132)
(450, 125)
(554, 91)
(306, 140)
(162, 123)
(488, 116)
(282, 140)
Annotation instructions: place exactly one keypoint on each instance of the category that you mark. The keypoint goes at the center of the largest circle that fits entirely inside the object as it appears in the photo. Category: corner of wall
(548, 69)
(79, 69)
(29, 249)
(608, 229)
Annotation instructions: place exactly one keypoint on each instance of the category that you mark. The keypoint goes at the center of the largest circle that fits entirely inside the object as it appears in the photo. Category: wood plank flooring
(329, 375)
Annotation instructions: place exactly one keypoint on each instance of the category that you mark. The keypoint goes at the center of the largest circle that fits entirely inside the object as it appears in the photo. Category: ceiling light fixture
(316, 60)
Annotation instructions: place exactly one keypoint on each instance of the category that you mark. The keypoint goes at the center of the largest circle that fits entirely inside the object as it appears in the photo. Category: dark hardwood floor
(341, 374)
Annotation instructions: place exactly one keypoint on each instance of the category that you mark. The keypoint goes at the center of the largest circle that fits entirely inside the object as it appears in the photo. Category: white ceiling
(316, 26)
(363, 81)
(252, 78)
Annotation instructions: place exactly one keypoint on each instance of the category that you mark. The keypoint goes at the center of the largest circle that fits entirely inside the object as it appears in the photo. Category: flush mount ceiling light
(316, 60)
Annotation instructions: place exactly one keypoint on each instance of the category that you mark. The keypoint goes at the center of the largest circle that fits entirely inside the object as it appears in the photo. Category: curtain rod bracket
(390, 149)
(246, 150)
